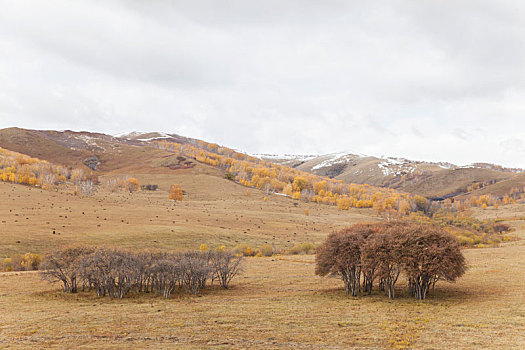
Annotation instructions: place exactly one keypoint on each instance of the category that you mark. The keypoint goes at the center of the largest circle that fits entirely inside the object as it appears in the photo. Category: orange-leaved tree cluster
(22, 169)
(270, 177)
(176, 193)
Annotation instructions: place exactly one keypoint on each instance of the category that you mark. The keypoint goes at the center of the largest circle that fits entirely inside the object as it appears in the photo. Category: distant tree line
(365, 253)
(117, 273)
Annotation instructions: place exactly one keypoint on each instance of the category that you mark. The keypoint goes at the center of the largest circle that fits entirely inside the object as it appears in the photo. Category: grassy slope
(215, 211)
(449, 181)
(500, 188)
(277, 303)
(36, 145)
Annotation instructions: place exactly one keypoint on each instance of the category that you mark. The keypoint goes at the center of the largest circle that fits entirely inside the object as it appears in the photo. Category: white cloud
(420, 79)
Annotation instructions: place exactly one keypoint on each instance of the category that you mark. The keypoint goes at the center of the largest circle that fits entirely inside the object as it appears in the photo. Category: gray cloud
(419, 79)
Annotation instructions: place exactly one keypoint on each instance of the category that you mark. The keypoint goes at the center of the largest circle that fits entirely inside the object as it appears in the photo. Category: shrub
(31, 261)
(132, 184)
(7, 264)
(244, 249)
(226, 266)
(303, 248)
(267, 250)
(26, 262)
(63, 266)
(465, 241)
(500, 227)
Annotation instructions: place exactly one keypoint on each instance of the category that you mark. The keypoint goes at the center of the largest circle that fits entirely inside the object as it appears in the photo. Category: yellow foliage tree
(132, 184)
(176, 192)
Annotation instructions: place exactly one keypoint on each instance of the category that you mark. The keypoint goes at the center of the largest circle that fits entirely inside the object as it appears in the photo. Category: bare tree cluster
(86, 187)
(116, 273)
(365, 253)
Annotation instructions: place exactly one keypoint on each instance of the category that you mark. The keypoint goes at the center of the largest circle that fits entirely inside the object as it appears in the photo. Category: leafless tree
(226, 265)
(63, 266)
(86, 187)
(116, 273)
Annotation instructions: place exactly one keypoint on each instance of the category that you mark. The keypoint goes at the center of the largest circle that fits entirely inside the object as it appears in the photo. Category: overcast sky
(431, 80)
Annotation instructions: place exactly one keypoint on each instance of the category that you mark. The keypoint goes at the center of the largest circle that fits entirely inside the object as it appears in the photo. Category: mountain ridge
(435, 180)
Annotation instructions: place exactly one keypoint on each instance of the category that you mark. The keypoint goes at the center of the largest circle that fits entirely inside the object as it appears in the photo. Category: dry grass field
(277, 303)
(215, 211)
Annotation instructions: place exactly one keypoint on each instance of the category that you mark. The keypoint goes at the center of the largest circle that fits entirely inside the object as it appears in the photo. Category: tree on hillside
(132, 184)
(176, 193)
(299, 184)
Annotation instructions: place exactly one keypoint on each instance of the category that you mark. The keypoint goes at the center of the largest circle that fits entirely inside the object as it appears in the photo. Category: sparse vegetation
(302, 248)
(21, 169)
(25, 262)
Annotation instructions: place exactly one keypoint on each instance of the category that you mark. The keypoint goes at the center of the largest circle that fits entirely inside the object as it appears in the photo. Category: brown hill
(432, 180)
(96, 151)
(134, 152)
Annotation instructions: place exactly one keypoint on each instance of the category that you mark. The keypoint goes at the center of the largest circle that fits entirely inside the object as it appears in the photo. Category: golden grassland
(277, 303)
(214, 211)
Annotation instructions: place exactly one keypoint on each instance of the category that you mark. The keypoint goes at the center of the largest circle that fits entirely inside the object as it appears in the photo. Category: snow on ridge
(136, 135)
(301, 157)
(163, 136)
(445, 165)
(336, 158)
(92, 141)
(395, 166)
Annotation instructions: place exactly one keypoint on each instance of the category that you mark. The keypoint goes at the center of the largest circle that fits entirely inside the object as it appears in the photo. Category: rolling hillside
(132, 151)
(93, 151)
(432, 180)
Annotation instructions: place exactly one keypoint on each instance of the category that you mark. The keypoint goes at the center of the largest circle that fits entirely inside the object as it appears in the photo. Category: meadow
(277, 302)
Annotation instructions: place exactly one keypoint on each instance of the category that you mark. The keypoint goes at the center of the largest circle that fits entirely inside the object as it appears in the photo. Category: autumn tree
(132, 184)
(176, 193)
(299, 184)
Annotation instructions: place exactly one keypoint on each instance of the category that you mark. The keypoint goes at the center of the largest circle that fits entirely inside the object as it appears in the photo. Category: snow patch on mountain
(299, 157)
(396, 166)
(136, 135)
(338, 158)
